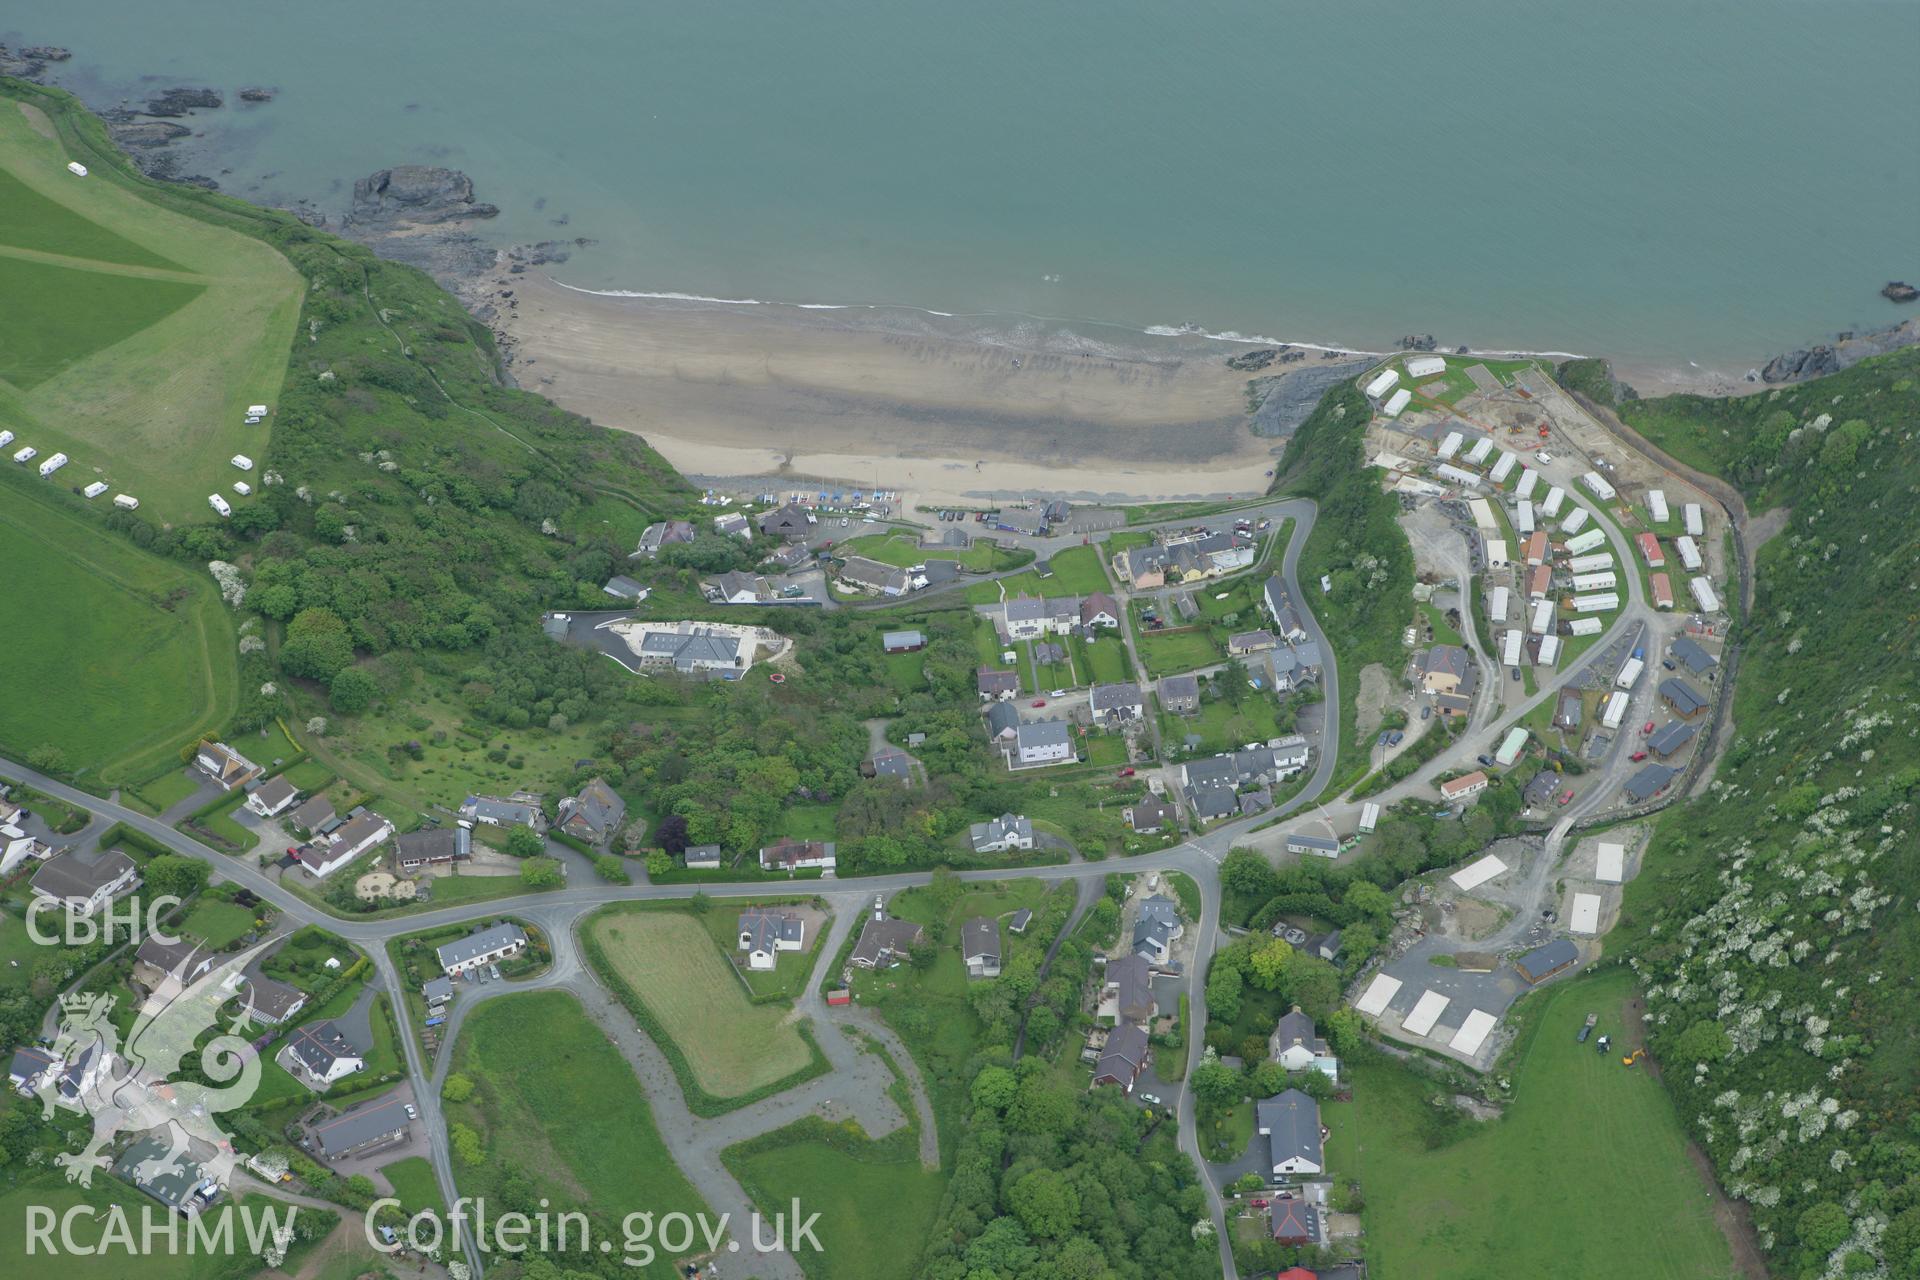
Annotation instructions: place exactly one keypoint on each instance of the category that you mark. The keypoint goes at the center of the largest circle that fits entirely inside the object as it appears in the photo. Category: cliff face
(1845, 351)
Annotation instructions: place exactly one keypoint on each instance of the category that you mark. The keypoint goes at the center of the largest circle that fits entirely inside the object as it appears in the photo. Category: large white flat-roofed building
(1426, 1012)
(1378, 995)
(1425, 366)
(1586, 914)
(1609, 862)
(1473, 1032)
(1475, 874)
(1382, 383)
(1396, 402)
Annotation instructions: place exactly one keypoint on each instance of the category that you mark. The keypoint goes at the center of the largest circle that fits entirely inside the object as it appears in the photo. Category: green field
(1587, 1145)
(668, 959)
(1223, 726)
(1077, 571)
(903, 550)
(875, 1202)
(123, 658)
(413, 1181)
(167, 328)
(1173, 651)
(52, 1191)
(217, 923)
(558, 1103)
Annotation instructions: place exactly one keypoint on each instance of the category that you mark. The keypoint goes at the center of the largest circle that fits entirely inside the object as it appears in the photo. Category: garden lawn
(1104, 659)
(1586, 1145)
(903, 550)
(1077, 571)
(788, 978)
(217, 923)
(669, 961)
(557, 1100)
(874, 1212)
(123, 658)
(1173, 651)
(413, 1181)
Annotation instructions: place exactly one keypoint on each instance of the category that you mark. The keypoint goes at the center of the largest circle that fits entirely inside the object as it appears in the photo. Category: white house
(225, 765)
(764, 933)
(482, 947)
(85, 884)
(272, 797)
(1008, 831)
(1295, 1045)
(323, 1054)
(363, 831)
(1043, 742)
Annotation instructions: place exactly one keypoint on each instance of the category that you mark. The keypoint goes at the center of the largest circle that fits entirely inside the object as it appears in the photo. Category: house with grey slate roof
(1008, 831)
(593, 815)
(1290, 1122)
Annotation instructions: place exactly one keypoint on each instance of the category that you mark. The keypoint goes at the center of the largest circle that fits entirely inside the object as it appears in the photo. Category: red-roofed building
(1650, 548)
(1296, 1273)
(1537, 547)
(1662, 591)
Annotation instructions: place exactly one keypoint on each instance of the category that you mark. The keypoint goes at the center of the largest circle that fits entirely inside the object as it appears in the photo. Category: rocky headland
(1830, 357)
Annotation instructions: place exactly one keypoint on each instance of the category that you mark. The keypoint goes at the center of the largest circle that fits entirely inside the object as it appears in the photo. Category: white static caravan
(1396, 402)
(1510, 747)
(52, 465)
(94, 490)
(1449, 445)
(1483, 517)
(1497, 553)
(1549, 650)
(1576, 520)
(1597, 485)
(1616, 711)
(1480, 451)
(1382, 383)
(1542, 617)
(1696, 519)
(1584, 627)
(219, 504)
(1556, 497)
(1425, 366)
(1497, 603)
(1586, 542)
(1703, 595)
(6, 438)
(1689, 553)
(126, 502)
(77, 169)
(1606, 580)
(1593, 563)
(1657, 505)
(256, 411)
(1369, 816)
(1503, 468)
(241, 461)
(1599, 602)
(1454, 475)
(242, 488)
(1528, 479)
(1523, 516)
(1629, 672)
(26, 454)
(1510, 647)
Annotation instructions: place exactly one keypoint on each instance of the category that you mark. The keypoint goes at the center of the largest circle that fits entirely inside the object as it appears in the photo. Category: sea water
(1645, 179)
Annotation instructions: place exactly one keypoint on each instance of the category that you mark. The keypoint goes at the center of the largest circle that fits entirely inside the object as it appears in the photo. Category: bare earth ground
(727, 390)
(37, 119)
(1376, 692)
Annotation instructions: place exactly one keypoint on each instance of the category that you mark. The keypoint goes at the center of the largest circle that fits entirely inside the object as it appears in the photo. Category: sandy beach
(935, 406)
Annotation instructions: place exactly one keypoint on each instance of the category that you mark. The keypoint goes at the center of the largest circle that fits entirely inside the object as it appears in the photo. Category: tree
(1346, 1033)
(541, 873)
(352, 690)
(172, 874)
(466, 1143)
(1704, 1041)
(524, 842)
(944, 892)
(613, 868)
(994, 1089)
(1224, 985)
(1217, 1085)
(1046, 1203)
(672, 833)
(1370, 900)
(47, 758)
(317, 645)
(659, 862)
(1232, 682)
(1824, 1227)
(1314, 985)
(1271, 964)
(1246, 873)
(458, 1087)
(1249, 1182)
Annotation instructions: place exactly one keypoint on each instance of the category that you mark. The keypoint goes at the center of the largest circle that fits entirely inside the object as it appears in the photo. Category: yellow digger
(1633, 1057)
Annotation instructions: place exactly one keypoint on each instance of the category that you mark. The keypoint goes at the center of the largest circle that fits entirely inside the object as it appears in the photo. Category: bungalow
(1685, 700)
(1008, 831)
(702, 857)
(521, 809)
(1123, 1057)
(169, 963)
(1686, 651)
(1180, 695)
(884, 942)
(1030, 520)
(1028, 618)
(1148, 815)
(1003, 722)
(1126, 992)
(1294, 1222)
(1247, 642)
(436, 846)
(1468, 784)
(993, 684)
(664, 533)
(1290, 1121)
(268, 1001)
(481, 947)
(1543, 962)
(792, 522)
(593, 815)
(324, 855)
(83, 884)
(225, 765)
(791, 555)
(1316, 846)
(372, 1125)
(797, 855)
(1099, 610)
(1295, 1046)
(323, 1054)
(1649, 782)
(1156, 929)
(980, 947)
(436, 991)
(272, 797)
(857, 573)
(1115, 704)
(1043, 742)
(890, 763)
(621, 587)
(764, 933)
(903, 641)
(735, 587)
(1672, 736)
(17, 847)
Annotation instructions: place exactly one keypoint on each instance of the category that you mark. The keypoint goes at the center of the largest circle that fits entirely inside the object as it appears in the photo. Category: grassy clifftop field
(1777, 918)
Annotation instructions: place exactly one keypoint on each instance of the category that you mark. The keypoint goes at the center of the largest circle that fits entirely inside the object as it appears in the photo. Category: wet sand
(934, 405)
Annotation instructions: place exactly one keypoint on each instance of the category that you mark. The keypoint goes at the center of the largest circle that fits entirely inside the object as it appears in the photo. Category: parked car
(1637, 756)
(1395, 738)
(1668, 664)
(1127, 772)
(412, 1114)
(1039, 702)
(1426, 713)
(1514, 672)
(494, 969)
(1566, 795)
(1484, 760)
(1057, 693)
(1150, 1099)
(1646, 728)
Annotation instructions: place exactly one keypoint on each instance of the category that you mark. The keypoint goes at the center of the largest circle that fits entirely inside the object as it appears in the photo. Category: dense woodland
(1776, 918)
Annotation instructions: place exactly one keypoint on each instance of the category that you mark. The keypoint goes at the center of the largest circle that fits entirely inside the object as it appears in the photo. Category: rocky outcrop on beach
(45, 53)
(1845, 350)
(1282, 401)
(1899, 291)
(1265, 358)
(147, 133)
(179, 102)
(27, 63)
(1418, 342)
(256, 94)
(420, 194)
